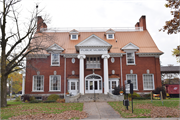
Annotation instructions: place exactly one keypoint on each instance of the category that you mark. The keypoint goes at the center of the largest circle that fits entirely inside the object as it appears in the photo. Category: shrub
(32, 98)
(26, 97)
(49, 101)
(134, 95)
(157, 91)
(116, 90)
(34, 101)
(53, 97)
(26, 101)
(18, 98)
(60, 100)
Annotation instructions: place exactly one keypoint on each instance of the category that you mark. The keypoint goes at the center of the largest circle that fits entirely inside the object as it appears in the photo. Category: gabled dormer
(74, 34)
(110, 34)
(55, 51)
(130, 50)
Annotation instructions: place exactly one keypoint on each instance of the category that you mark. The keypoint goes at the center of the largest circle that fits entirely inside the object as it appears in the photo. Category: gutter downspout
(64, 76)
(121, 71)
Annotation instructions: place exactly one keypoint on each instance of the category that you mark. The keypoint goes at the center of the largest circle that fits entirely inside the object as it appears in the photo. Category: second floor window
(93, 62)
(130, 58)
(55, 59)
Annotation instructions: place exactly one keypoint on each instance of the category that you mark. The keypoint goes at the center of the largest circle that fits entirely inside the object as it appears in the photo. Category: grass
(138, 111)
(18, 108)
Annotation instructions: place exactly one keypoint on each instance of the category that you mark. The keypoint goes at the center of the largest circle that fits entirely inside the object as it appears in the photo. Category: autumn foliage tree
(16, 34)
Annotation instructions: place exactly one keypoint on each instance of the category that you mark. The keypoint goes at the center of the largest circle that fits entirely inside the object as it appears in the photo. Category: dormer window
(74, 34)
(74, 37)
(110, 34)
(55, 59)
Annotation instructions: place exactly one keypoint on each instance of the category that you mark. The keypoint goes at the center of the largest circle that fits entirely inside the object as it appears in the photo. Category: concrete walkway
(100, 110)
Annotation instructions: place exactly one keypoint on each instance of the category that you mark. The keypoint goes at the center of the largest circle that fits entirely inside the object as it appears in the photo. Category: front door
(93, 84)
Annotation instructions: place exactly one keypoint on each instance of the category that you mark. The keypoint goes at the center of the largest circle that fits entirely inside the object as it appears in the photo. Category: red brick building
(88, 60)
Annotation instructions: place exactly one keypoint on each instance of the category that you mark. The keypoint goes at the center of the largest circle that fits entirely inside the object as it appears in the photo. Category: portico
(93, 48)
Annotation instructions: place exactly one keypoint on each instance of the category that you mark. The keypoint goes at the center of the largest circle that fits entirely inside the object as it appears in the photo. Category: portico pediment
(93, 41)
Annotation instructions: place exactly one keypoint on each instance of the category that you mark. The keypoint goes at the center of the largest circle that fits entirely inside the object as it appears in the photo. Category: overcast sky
(112, 13)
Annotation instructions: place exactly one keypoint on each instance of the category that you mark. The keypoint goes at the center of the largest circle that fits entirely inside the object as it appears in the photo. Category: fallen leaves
(65, 115)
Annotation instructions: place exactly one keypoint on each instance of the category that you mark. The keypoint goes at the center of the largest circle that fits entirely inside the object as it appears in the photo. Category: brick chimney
(40, 24)
(142, 22)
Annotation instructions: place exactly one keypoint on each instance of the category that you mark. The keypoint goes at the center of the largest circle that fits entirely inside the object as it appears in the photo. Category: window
(55, 60)
(110, 36)
(113, 84)
(133, 78)
(38, 83)
(148, 81)
(130, 58)
(93, 62)
(73, 86)
(74, 37)
(73, 60)
(55, 83)
(112, 60)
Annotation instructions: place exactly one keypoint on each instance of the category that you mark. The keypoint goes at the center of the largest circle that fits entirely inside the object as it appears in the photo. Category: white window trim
(136, 80)
(143, 81)
(58, 59)
(72, 37)
(107, 36)
(50, 84)
(33, 84)
(127, 59)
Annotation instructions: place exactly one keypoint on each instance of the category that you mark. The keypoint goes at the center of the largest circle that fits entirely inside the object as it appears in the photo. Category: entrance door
(93, 84)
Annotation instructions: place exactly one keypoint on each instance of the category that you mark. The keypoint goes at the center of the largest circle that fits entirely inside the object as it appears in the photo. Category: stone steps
(94, 98)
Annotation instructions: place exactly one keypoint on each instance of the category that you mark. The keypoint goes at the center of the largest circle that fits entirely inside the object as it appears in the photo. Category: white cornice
(156, 55)
(70, 55)
(101, 43)
(37, 56)
(116, 54)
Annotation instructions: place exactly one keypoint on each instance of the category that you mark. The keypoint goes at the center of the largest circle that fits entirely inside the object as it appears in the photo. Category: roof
(114, 76)
(141, 39)
(170, 69)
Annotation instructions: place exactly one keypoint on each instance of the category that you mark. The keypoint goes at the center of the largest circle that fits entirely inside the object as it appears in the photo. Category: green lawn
(18, 108)
(144, 108)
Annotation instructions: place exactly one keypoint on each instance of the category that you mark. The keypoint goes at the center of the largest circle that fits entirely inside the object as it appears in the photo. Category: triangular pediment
(130, 46)
(55, 47)
(93, 41)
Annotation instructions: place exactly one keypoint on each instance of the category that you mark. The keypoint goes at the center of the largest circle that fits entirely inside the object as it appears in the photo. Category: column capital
(105, 56)
(81, 56)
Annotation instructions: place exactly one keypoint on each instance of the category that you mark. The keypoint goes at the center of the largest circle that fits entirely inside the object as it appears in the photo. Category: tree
(176, 53)
(15, 40)
(172, 26)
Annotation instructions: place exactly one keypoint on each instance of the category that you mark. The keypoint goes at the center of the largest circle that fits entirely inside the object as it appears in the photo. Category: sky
(111, 13)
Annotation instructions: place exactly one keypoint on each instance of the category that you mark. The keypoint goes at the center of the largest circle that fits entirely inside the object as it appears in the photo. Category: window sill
(130, 64)
(55, 91)
(55, 65)
(148, 89)
(38, 91)
(136, 90)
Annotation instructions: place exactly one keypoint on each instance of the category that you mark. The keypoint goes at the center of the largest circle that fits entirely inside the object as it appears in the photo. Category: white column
(23, 85)
(81, 73)
(106, 75)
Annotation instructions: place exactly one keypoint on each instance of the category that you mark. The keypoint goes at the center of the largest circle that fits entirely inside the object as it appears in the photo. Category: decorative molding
(73, 72)
(73, 60)
(113, 72)
(156, 55)
(131, 71)
(105, 56)
(130, 46)
(116, 54)
(69, 55)
(112, 60)
(37, 56)
(148, 71)
(81, 56)
(55, 72)
(38, 72)
(54, 48)
(93, 41)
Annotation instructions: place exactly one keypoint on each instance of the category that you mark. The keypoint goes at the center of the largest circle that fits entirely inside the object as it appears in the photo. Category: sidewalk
(102, 110)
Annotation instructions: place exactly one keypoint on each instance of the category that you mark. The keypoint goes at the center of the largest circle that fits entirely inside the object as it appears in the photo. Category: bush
(26, 97)
(134, 95)
(32, 98)
(49, 101)
(53, 97)
(26, 101)
(60, 100)
(35, 101)
(157, 91)
(18, 98)
(116, 90)
(142, 98)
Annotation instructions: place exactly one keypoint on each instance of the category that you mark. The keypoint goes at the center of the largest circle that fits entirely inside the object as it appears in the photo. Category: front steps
(97, 97)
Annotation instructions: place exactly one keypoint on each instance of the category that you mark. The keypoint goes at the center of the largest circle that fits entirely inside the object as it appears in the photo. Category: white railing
(93, 65)
(93, 29)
